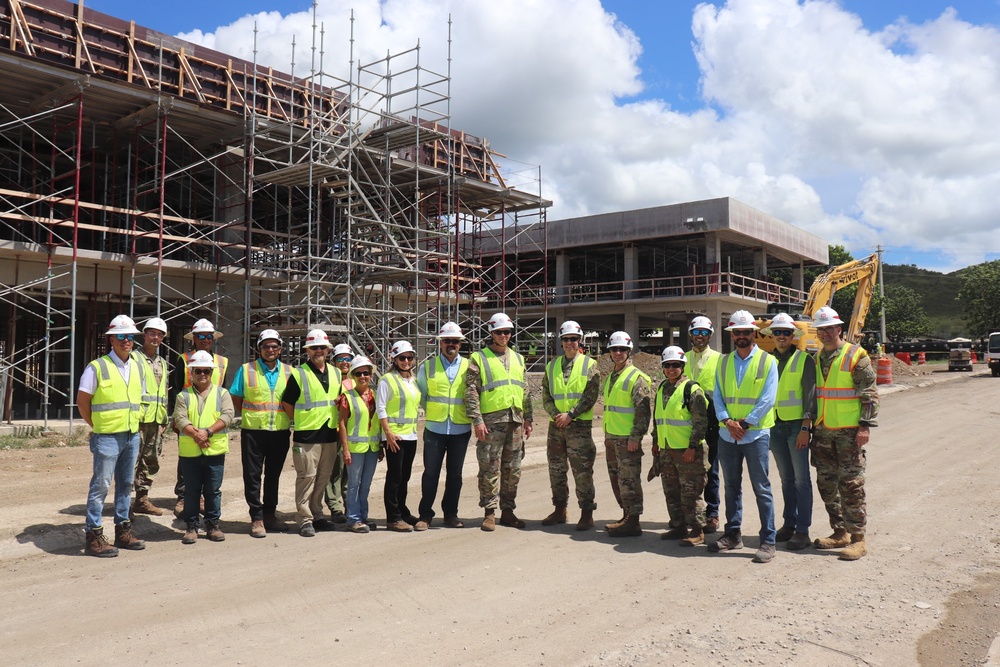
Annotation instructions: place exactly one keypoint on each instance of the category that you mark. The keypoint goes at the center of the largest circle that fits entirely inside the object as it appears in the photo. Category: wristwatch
(805, 429)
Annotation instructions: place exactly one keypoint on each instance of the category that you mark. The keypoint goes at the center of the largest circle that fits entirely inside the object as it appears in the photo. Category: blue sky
(669, 75)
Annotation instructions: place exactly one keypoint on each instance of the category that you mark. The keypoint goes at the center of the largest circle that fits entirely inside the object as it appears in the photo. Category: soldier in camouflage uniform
(153, 422)
(680, 421)
(626, 420)
(569, 390)
(847, 407)
(499, 405)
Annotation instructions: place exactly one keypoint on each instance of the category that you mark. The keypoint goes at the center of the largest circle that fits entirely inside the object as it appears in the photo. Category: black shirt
(292, 393)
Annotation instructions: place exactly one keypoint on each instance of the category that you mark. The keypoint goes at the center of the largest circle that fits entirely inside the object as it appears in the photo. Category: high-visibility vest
(362, 430)
(154, 401)
(788, 405)
(567, 393)
(403, 405)
(115, 407)
(262, 409)
(218, 443)
(445, 398)
(316, 406)
(619, 412)
(837, 402)
(218, 373)
(705, 379)
(502, 389)
(740, 399)
(672, 417)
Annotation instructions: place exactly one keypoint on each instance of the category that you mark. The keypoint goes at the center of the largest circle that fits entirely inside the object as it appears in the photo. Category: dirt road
(929, 592)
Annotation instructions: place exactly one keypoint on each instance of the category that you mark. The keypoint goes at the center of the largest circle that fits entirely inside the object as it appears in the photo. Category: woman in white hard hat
(359, 434)
(397, 402)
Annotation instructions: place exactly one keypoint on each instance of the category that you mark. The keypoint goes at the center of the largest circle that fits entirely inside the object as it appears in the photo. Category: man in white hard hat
(499, 404)
(700, 365)
(570, 388)
(336, 489)
(110, 401)
(265, 430)
(202, 336)
(847, 405)
(154, 420)
(746, 387)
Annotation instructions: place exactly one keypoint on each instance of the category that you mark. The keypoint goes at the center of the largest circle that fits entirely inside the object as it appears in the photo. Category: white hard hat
(359, 362)
(570, 328)
(269, 334)
(122, 324)
(155, 323)
(342, 348)
(317, 337)
(741, 319)
(782, 321)
(672, 353)
(827, 317)
(620, 339)
(701, 322)
(202, 326)
(451, 330)
(201, 359)
(500, 321)
(399, 348)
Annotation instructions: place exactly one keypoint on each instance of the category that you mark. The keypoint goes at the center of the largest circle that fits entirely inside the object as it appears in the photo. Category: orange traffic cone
(921, 359)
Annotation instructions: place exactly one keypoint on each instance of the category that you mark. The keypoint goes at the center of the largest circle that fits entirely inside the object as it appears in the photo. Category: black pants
(438, 447)
(263, 454)
(712, 498)
(399, 465)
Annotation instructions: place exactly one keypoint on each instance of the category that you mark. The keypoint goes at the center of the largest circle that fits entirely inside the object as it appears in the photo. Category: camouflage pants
(625, 471)
(840, 477)
(574, 444)
(147, 464)
(499, 457)
(683, 484)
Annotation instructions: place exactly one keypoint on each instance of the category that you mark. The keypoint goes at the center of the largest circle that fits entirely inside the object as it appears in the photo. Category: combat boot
(125, 537)
(628, 528)
(855, 550)
(839, 539)
(98, 545)
(615, 524)
(179, 508)
(586, 521)
(675, 533)
(694, 537)
(558, 516)
(489, 521)
(509, 519)
(143, 505)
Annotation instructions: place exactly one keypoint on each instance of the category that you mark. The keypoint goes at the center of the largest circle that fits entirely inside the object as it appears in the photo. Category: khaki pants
(312, 461)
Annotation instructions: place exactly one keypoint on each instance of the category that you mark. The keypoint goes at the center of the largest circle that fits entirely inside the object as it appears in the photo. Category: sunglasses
(571, 339)
(318, 347)
(362, 374)
(620, 349)
(700, 332)
(503, 332)
(270, 347)
(342, 360)
(781, 333)
(451, 341)
(125, 336)
(204, 336)
(406, 357)
(673, 364)
(202, 371)
(743, 333)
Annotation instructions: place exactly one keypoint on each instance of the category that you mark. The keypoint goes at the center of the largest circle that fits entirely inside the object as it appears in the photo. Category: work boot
(98, 545)
(507, 518)
(399, 526)
(855, 550)
(694, 537)
(675, 533)
(728, 542)
(798, 542)
(489, 521)
(765, 553)
(179, 508)
(190, 535)
(558, 516)
(586, 521)
(450, 521)
(275, 525)
(213, 532)
(257, 529)
(784, 534)
(628, 528)
(338, 516)
(125, 537)
(711, 525)
(839, 539)
(143, 505)
(615, 524)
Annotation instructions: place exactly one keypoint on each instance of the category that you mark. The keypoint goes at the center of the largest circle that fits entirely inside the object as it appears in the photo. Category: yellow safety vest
(789, 402)
(837, 402)
(619, 412)
(218, 443)
(316, 406)
(362, 430)
(705, 379)
(154, 401)
(445, 398)
(403, 405)
(114, 406)
(740, 399)
(262, 409)
(218, 373)
(502, 389)
(567, 393)
(672, 418)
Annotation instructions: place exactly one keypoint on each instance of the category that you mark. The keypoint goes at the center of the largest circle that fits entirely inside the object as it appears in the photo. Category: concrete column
(713, 249)
(759, 263)
(631, 256)
(719, 324)
(797, 277)
(562, 277)
(631, 325)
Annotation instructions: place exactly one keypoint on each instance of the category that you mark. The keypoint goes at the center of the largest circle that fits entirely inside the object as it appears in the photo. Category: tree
(980, 297)
(904, 315)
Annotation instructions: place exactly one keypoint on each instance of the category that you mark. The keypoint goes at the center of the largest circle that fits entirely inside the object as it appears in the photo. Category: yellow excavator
(864, 272)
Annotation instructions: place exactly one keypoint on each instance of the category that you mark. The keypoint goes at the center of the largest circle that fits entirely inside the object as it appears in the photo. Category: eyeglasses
(824, 331)
(125, 337)
(781, 333)
(153, 333)
(451, 341)
(202, 371)
(620, 350)
(503, 332)
(673, 364)
(406, 357)
(202, 336)
(270, 347)
(700, 332)
(342, 360)
(362, 374)
(571, 339)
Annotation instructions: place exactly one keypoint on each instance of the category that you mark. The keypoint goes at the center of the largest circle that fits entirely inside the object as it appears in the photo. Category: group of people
(710, 412)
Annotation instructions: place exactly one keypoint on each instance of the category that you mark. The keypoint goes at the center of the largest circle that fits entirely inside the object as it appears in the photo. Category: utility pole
(881, 292)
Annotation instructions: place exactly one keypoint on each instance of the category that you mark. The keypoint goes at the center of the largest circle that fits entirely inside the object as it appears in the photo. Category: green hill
(938, 292)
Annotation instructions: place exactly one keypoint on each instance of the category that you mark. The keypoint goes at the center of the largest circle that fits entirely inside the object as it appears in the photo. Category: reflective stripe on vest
(837, 403)
(218, 373)
(567, 393)
(115, 407)
(502, 389)
(218, 443)
(672, 419)
(619, 411)
(262, 409)
(315, 406)
(362, 431)
(402, 406)
(445, 399)
(741, 399)
(788, 405)
(154, 401)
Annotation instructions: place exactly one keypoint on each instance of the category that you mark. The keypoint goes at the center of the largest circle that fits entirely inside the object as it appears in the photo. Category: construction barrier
(974, 359)
(904, 357)
(884, 375)
(921, 359)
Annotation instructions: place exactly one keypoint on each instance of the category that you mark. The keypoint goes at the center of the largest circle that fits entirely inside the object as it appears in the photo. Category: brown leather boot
(257, 529)
(507, 518)
(125, 537)
(190, 535)
(213, 532)
(143, 505)
(98, 545)
(839, 539)
(558, 516)
(628, 528)
(616, 524)
(695, 537)
(675, 533)
(586, 521)
(489, 521)
(855, 550)
(179, 508)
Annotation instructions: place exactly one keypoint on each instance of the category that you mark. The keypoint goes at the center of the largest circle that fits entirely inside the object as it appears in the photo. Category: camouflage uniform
(839, 462)
(625, 467)
(499, 455)
(575, 442)
(683, 483)
(150, 435)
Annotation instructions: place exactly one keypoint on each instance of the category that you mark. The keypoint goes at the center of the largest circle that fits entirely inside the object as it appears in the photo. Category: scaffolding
(141, 174)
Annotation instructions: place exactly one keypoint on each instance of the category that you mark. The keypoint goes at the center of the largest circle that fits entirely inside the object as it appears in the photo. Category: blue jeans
(731, 459)
(114, 456)
(437, 446)
(359, 483)
(793, 468)
(203, 477)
